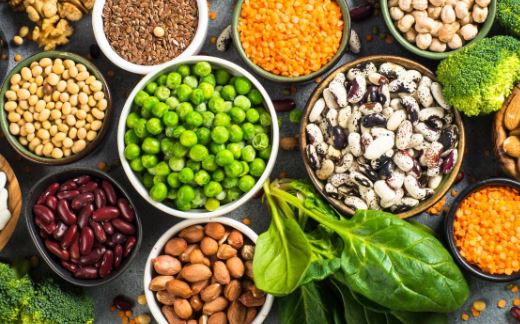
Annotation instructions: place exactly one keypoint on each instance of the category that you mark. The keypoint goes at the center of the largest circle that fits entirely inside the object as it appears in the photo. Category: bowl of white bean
(55, 108)
(437, 28)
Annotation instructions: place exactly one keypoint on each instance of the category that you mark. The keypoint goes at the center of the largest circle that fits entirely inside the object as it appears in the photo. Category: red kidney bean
(122, 303)
(110, 192)
(51, 202)
(362, 12)
(129, 246)
(74, 249)
(86, 273)
(69, 266)
(118, 256)
(82, 179)
(109, 229)
(127, 212)
(100, 198)
(43, 235)
(68, 185)
(93, 257)
(59, 232)
(86, 240)
(50, 191)
(97, 264)
(105, 214)
(284, 105)
(123, 227)
(99, 232)
(88, 187)
(84, 215)
(106, 264)
(515, 312)
(70, 236)
(118, 238)
(44, 213)
(47, 228)
(55, 249)
(65, 214)
(67, 195)
(82, 200)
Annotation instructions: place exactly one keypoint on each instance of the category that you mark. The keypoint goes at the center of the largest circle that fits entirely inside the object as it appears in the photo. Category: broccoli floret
(15, 293)
(479, 78)
(508, 16)
(53, 305)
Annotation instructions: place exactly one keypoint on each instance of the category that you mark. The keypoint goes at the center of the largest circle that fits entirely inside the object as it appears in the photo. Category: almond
(226, 251)
(215, 230)
(192, 321)
(235, 267)
(221, 273)
(192, 234)
(159, 282)
(236, 313)
(233, 290)
(249, 300)
(217, 305)
(249, 269)
(211, 292)
(515, 132)
(512, 114)
(185, 256)
(196, 303)
(196, 256)
(199, 285)
(512, 146)
(166, 265)
(206, 262)
(209, 246)
(164, 297)
(170, 315)
(179, 288)
(182, 308)
(196, 272)
(218, 318)
(248, 252)
(236, 239)
(251, 314)
(175, 246)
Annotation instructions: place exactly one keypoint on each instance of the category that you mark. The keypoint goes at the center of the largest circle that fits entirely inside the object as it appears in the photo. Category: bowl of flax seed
(142, 35)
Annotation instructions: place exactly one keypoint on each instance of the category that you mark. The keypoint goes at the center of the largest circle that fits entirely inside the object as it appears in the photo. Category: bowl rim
(15, 207)
(446, 183)
(347, 26)
(13, 140)
(483, 31)
(166, 236)
(38, 241)
(450, 219)
(4, 49)
(195, 46)
(199, 213)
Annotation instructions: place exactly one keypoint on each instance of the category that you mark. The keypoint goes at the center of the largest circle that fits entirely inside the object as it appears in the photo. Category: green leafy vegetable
(304, 306)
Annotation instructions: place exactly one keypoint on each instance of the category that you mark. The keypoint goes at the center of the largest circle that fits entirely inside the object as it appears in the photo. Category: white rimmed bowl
(153, 305)
(198, 213)
(194, 48)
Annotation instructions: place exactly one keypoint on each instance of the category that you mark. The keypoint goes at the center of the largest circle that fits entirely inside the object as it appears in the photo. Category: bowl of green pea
(198, 138)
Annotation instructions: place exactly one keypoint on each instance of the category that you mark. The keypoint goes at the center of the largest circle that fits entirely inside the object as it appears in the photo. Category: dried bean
(67, 195)
(361, 13)
(123, 227)
(129, 246)
(99, 232)
(106, 264)
(110, 192)
(108, 228)
(284, 105)
(74, 249)
(82, 200)
(127, 212)
(55, 249)
(86, 273)
(93, 257)
(50, 191)
(118, 256)
(100, 198)
(69, 266)
(84, 215)
(86, 241)
(44, 213)
(59, 232)
(118, 238)
(47, 228)
(122, 303)
(70, 236)
(82, 179)
(51, 202)
(65, 214)
(88, 187)
(105, 214)
(68, 185)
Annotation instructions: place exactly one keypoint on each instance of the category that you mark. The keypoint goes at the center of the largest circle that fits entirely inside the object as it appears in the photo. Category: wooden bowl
(510, 165)
(447, 181)
(14, 202)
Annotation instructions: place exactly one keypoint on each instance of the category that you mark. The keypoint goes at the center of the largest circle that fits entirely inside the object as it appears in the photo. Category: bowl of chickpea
(55, 108)
(435, 29)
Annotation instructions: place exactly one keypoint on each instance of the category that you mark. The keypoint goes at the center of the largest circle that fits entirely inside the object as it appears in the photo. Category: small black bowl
(448, 229)
(54, 262)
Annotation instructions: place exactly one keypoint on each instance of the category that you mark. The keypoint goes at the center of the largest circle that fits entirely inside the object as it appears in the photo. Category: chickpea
(405, 5)
(393, 3)
(448, 14)
(410, 35)
(423, 40)
(14, 129)
(437, 45)
(447, 31)
(78, 146)
(461, 10)
(15, 79)
(455, 42)
(438, 3)
(23, 141)
(434, 12)
(405, 23)
(420, 4)
(479, 14)
(468, 32)
(467, 20)
(483, 3)
(424, 25)
(23, 132)
(30, 137)
(39, 150)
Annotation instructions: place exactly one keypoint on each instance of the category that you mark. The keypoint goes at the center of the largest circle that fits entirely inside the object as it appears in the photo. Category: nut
(196, 272)
(249, 300)
(159, 282)
(217, 305)
(512, 113)
(226, 251)
(198, 286)
(512, 146)
(175, 246)
(164, 297)
(196, 256)
(179, 288)
(236, 239)
(170, 315)
(196, 303)
(166, 265)
(209, 246)
(248, 252)
(237, 313)
(221, 273)
(251, 314)
(249, 269)
(236, 267)
(182, 308)
(217, 318)
(211, 292)
(233, 290)
(192, 234)
(215, 230)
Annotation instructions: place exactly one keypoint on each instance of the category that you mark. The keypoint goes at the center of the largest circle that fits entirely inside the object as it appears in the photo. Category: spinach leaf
(423, 318)
(304, 306)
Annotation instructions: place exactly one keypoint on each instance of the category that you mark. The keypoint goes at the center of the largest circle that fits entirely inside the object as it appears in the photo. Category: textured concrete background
(479, 162)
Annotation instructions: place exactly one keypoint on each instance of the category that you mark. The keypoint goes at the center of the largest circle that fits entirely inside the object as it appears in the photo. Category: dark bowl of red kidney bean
(84, 225)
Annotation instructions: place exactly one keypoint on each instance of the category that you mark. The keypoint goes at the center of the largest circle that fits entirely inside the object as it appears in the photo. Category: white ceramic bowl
(198, 213)
(159, 246)
(193, 49)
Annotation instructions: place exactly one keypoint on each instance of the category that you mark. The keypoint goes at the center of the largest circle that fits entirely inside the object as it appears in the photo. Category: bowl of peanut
(56, 108)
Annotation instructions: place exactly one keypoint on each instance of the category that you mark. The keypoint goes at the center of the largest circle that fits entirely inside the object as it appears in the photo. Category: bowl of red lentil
(288, 41)
(483, 229)
(142, 35)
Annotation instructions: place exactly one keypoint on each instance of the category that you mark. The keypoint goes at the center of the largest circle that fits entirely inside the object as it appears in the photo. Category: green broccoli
(54, 305)
(15, 293)
(479, 78)
(508, 16)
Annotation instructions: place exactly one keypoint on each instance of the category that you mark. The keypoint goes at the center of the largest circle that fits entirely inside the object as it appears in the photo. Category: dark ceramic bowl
(4, 52)
(53, 261)
(448, 229)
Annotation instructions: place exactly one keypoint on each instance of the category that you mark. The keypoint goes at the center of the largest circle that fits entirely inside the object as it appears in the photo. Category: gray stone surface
(479, 162)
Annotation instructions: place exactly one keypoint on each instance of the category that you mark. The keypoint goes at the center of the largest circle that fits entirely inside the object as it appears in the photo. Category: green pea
(137, 165)
(248, 153)
(201, 69)
(148, 105)
(220, 135)
(184, 109)
(147, 180)
(151, 87)
(245, 167)
(201, 108)
(222, 76)
(162, 93)
(188, 138)
(154, 126)
(194, 119)
(172, 102)
(179, 150)
(212, 204)
(228, 92)
(186, 175)
(194, 165)
(236, 134)
(159, 109)
(140, 128)
(197, 96)
(233, 194)
(202, 177)
(207, 90)
(185, 194)
(173, 180)
(265, 153)
(233, 169)
(177, 131)
(151, 145)
(159, 192)
(149, 161)
(183, 92)
(242, 85)
(161, 80)
(172, 194)
(198, 153)
(170, 118)
(249, 131)
(246, 183)
(132, 119)
(131, 137)
(215, 148)
(140, 97)
(237, 115)
(260, 141)
(199, 199)
(191, 81)
(256, 97)
(257, 167)
(132, 151)
(222, 119)
(210, 78)
(167, 147)
(265, 119)
(158, 178)
(295, 116)
(176, 163)
(218, 175)
(204, 135)
(217, 104)
(259, 130)
(229, 183)
(173, 80)
(212, 189)
(252, 116)
(209, 163)
(236, 149)
(161, 169)
(224, 157)
(184, 70)
(242, 102)
(207, 118)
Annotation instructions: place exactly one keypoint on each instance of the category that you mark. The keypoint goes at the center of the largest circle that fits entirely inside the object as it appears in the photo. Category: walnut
(69, 11)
